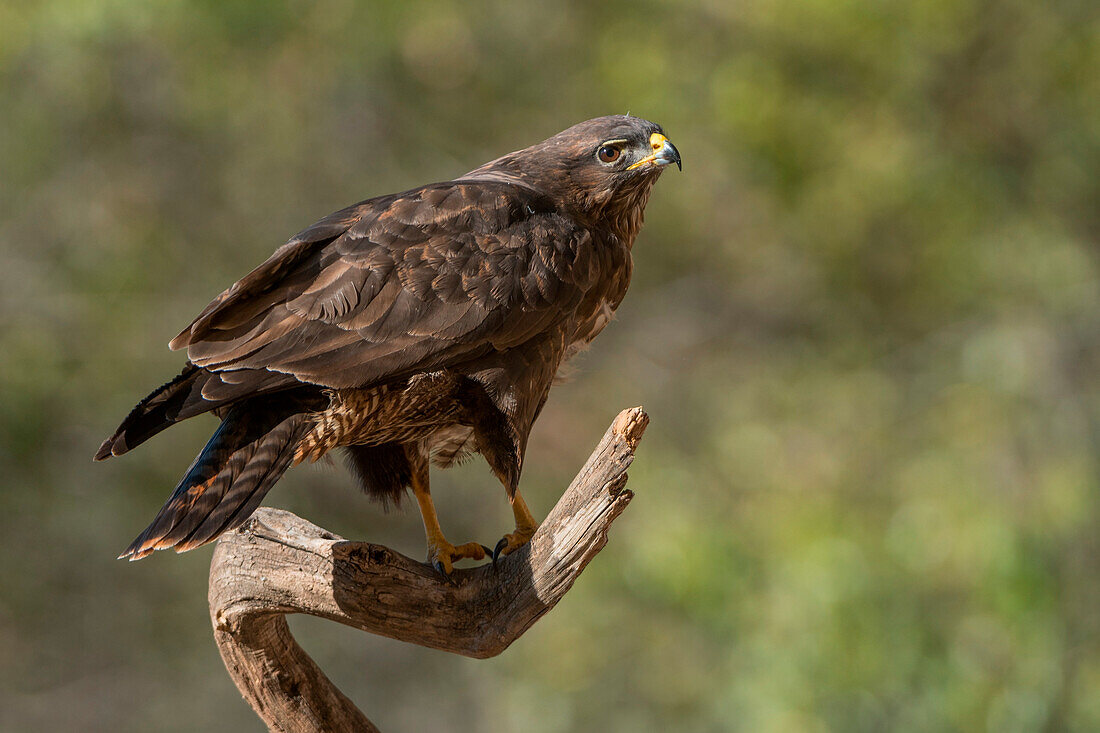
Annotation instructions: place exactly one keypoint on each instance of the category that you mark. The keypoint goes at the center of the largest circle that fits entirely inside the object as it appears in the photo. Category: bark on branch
(278, 563)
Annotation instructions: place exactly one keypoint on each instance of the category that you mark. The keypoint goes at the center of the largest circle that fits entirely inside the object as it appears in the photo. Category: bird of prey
(411, 328)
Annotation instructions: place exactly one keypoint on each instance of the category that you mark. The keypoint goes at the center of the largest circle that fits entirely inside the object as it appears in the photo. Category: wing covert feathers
(399, 284)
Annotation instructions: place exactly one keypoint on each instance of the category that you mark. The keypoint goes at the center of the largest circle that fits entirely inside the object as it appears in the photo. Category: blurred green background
(865, 321)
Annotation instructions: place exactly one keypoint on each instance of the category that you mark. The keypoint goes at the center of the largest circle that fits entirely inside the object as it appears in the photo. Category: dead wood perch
(278, 563)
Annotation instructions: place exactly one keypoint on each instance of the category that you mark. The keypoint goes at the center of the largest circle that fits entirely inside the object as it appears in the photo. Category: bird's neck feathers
(620, 210)
(624, 212)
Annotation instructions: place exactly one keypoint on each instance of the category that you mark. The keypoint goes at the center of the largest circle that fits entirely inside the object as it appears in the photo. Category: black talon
(500, 546)
(487, 550)
(439, 569)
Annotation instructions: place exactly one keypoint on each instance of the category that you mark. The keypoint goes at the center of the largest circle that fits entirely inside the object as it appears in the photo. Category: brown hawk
(411, 328)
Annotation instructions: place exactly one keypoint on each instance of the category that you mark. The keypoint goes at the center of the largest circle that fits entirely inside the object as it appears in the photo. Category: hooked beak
(663, 153)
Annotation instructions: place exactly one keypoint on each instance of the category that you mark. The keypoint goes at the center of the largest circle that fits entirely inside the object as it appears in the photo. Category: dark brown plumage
(424, 324)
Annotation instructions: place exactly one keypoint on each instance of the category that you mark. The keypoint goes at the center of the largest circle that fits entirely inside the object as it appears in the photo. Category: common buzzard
(415, 327)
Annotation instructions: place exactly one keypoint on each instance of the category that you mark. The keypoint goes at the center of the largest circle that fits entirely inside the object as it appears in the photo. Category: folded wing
(421, 280)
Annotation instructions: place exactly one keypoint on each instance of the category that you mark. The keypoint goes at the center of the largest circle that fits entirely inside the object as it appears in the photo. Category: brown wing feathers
(414, 282)
(272, 272)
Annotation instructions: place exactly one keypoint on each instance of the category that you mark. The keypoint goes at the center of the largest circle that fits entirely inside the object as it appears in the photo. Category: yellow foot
(509, 543)
(442, 555)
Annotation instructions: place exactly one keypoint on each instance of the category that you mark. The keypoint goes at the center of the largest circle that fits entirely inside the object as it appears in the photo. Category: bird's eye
(608, 153)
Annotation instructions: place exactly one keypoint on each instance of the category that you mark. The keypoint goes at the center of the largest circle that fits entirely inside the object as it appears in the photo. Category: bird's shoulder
(464, 212)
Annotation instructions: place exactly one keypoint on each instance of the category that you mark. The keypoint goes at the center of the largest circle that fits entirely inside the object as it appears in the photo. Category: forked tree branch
(278, 563)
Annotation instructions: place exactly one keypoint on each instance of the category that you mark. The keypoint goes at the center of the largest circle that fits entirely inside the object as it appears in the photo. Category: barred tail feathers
(242, 461)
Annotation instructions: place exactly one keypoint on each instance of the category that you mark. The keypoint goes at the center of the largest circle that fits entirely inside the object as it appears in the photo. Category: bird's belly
(423, 409)
(589, 328)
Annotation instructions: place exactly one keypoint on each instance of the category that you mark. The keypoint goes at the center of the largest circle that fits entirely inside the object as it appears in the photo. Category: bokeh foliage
(865, 321)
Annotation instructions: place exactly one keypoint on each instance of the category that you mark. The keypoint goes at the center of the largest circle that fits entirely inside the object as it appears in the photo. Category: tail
(245, 457)
(193, 392)
(154, 413)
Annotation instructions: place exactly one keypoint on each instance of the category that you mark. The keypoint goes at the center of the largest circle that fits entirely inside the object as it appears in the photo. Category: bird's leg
(526, 525)
(502, 446)
(441, 554)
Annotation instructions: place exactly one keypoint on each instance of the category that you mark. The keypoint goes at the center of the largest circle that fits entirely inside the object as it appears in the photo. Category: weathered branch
(278, 563)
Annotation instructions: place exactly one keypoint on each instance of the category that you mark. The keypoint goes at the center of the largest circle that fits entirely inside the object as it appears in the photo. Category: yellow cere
(656, 141)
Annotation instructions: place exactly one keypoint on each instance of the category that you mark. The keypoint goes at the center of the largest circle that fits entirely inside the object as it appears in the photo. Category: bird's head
(602, 168)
